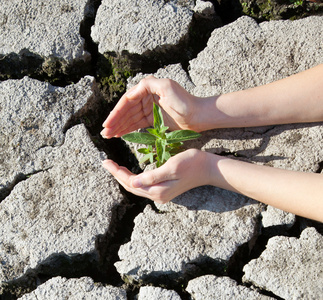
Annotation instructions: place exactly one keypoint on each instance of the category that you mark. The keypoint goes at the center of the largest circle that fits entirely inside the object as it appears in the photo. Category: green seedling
(162, 145)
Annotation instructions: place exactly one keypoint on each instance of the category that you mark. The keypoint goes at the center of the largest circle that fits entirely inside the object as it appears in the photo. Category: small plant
(296, 2)
(162, 145)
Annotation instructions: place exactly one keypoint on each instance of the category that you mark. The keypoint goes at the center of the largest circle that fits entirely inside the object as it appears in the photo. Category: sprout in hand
(161, 144)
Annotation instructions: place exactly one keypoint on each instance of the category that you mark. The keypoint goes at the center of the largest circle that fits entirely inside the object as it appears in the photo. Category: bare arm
(296, 192)
(296, 99)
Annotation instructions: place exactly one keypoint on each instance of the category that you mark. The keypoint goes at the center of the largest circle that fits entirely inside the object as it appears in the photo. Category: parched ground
(68, 231)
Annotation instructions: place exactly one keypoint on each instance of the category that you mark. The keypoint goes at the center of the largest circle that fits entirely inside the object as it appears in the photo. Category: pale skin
(296, 99)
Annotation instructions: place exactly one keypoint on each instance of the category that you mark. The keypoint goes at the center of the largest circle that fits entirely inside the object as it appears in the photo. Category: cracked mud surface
(67, 224)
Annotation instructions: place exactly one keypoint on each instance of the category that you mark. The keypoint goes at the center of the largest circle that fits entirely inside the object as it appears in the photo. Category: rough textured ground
(143, 25)
(299, 258)
(68, 205)
(34, 115)
(46, 29)
(69, 231)
(226, 287)
(82, 288)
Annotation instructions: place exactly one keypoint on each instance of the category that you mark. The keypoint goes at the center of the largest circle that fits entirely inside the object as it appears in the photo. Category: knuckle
(168, 83)
(193, 152)
(122, 169)
(152, 179)
(146, 79)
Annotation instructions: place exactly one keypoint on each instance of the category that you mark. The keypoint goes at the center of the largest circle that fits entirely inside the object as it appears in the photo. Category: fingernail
(109, 165)
(136, 183)
(105, 162)
(102, 134)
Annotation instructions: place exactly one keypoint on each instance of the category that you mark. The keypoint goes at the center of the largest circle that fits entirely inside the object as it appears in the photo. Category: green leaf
(144, 150)
(149, 156)
(140, 138)
(175, 145)
(181, 135)
(174, 151)
(158, 117)
(167, 156)
(159, 150)
(166, 144)
(154, 132)
(159, 125)
(162, 154)
(162, 130)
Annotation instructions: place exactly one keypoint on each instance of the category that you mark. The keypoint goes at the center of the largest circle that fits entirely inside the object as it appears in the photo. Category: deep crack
(5, 192)
(99, 264)
(320, 168)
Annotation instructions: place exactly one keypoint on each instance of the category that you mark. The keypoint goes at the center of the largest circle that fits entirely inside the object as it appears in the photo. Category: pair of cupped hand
(180, 110)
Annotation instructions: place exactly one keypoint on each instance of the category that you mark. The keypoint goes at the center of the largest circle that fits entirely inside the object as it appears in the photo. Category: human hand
(135, 108)
(179, 174)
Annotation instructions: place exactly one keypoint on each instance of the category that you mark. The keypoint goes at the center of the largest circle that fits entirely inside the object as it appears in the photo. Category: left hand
(134, 110)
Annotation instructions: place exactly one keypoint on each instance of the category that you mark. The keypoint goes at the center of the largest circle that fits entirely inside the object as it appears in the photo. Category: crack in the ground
(320, 168)
(99, 265)
(52, 69)
(254, 248)
(187, 49)
(5, 192)
(60, 264)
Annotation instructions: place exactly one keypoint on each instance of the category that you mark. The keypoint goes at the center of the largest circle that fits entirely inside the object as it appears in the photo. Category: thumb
(152, 177)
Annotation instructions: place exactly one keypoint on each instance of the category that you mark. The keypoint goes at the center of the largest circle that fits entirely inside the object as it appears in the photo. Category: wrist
(221, 172)
(199, 169)
(237, 109)
(213, 112)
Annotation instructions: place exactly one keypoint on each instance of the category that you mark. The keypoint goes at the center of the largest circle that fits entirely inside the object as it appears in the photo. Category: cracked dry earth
(69, 231)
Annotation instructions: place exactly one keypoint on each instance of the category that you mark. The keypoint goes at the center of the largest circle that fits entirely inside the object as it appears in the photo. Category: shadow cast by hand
(212, 199)
(217, 200)
(249, 143)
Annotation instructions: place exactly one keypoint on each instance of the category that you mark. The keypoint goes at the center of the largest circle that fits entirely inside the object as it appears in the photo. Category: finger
(121, 130)
(140, 124)
(131, 98)
(161, 193)
(138, 117)
(138, 99)
(116, 170)
(131, 123)
(123, 176)
(154, 177)
(135, 117)
(122, 106)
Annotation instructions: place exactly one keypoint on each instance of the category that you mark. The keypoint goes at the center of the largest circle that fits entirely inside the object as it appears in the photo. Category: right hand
(135, 108)
(182, 172)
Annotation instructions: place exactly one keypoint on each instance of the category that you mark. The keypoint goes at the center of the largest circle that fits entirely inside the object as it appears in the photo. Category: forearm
(296, 192)
(296, 99)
